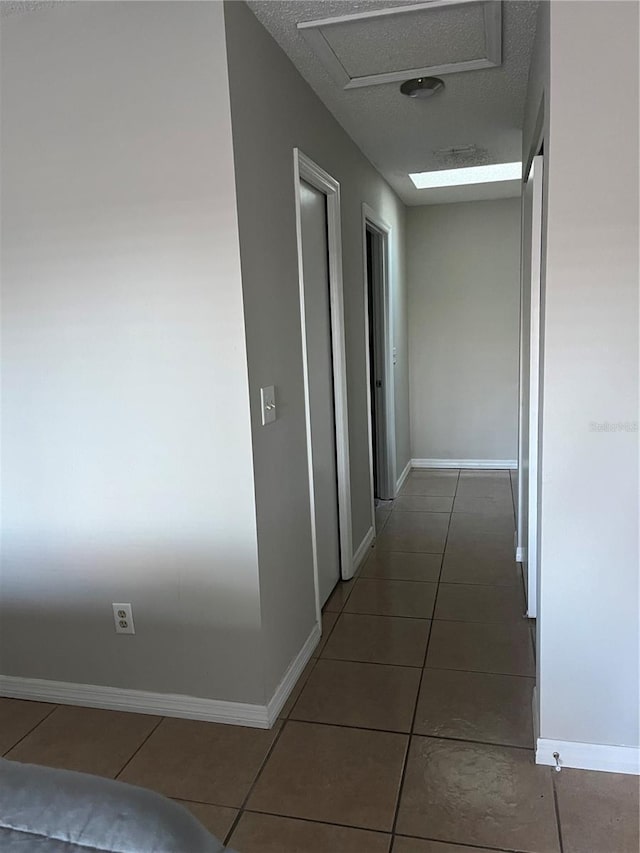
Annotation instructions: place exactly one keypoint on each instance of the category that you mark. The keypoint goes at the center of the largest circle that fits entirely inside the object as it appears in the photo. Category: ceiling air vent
(462, 155)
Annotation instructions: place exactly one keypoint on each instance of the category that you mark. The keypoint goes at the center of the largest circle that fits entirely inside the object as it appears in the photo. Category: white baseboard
(292, 674)
(535, 714)
(363, 549)
(163, 704)
(465, 463)
(589, 756)
(520, 552)
(403, 476)
(139, 701)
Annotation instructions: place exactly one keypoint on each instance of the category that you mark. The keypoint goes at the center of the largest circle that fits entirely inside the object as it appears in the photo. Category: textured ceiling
(21, 7)
(399, 135)
(447, 34)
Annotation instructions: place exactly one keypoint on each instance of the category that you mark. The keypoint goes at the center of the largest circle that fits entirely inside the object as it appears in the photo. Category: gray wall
(270, 119)
(126, 445)
(464, 283)
(588, 606)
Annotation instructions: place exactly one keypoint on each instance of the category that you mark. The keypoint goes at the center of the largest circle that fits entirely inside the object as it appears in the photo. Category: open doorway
(379, 356)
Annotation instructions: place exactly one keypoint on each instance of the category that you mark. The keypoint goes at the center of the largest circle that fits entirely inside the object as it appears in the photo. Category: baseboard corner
(401, 479)
(363, 549)
(291, 676)
(588, 756)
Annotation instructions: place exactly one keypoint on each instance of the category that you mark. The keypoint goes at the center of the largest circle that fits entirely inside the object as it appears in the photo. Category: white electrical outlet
(123, 618)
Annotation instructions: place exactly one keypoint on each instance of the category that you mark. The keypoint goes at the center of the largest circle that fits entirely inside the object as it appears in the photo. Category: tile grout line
(424, 663)
(435, 600)
(362, 828)
(32, 729)
(556, 807)
(314, 661)
(383, 525)
(408, 743)
(515, 585)
(136, 751)
(316, 658)
(379, 663)
(400, 551)
(481, 672)
(242, 808)
(358, 827)
(467, 844)
(438, 668)
(516, 620)
(408, 733)
(338, 614)
(421, 511)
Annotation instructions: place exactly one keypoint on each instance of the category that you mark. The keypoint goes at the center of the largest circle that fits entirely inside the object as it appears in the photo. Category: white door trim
(373, 220)
(520, 521)
(306, 170)
(588, 756)
(523, 538)
(535, 346)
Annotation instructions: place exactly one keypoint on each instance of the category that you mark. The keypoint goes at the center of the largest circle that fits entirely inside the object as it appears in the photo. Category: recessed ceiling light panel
(469, 175)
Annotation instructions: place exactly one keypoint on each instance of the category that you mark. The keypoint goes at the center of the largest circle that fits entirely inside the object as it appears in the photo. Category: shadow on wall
(197, 621)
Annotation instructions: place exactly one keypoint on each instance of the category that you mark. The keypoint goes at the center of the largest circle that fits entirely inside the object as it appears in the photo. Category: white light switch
(268, 401)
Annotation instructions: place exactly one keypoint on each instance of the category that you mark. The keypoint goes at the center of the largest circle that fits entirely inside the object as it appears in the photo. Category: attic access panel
(401, 42)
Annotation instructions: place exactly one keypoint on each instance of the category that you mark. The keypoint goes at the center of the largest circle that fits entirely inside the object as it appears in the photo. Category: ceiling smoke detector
(422, 87)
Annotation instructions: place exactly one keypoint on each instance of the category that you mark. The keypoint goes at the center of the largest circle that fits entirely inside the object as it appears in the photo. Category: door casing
(305, 169)
(386, 449)
(530, 381)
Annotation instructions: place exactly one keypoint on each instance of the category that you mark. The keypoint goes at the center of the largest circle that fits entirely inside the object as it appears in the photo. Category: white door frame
(308, 171)
(528, 524)
(537, 166)
(521, 521)
(372, 220)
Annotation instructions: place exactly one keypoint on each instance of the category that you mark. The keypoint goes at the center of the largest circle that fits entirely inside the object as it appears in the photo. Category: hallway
(436, 646)
(399, 725)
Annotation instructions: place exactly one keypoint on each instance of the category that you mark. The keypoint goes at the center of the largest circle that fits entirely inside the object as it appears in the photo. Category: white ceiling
(402, 41)
(481, 108)
(21, 7)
